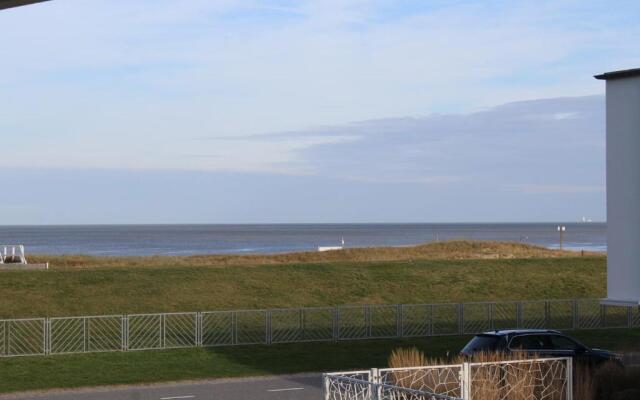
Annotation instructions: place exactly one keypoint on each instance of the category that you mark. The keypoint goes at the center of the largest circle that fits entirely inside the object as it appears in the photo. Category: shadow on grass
(136, 367)
(327, 356)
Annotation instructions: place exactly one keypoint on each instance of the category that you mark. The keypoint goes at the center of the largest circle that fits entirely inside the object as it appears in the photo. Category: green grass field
(441, 272)
(17, 374)
(118, 290)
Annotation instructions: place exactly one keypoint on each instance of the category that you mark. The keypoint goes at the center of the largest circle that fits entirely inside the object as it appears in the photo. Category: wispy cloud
(126, 84)
(424, 180)
(274, 88)
(556, 141)
(567, 188)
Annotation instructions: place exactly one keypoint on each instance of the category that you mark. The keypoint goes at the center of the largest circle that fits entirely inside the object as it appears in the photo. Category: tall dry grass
(609, 381)
(408, 357)
(450, 250)
(440, 381)
(516, 381)
(584, 386)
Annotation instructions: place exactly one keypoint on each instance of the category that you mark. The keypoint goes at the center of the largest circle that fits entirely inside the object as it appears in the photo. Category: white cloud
(129, 83)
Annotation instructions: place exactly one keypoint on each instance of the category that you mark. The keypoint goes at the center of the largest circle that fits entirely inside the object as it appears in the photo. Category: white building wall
(623, 189)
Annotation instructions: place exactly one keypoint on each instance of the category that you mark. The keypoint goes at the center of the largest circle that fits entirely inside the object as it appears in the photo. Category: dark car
(546, 343)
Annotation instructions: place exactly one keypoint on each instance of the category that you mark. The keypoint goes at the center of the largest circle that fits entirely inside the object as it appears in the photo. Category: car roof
(509, 332)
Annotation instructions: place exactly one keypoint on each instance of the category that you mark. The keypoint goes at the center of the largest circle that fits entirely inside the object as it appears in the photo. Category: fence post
(234, 327)
(547, 311)
(399, 319)
(430, 333)
(335, 322)
(8, 336)
(326, 387)
(374, 378)
(465, 381)
(163, 330)
(569, 378)
(268, 331)
(301, 323)
(575, 322)
(519, 315)
(85, 330)
(368, 320)
(199, 329)
(46, 337)
(490, 312)
(3, 338)
(125, 333)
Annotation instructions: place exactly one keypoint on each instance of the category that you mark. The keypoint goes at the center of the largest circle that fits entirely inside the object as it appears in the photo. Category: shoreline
(255, 252)
(268, 239)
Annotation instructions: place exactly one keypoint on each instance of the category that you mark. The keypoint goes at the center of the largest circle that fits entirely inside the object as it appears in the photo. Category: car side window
(516, 343)
(528, 342)
(563, 343)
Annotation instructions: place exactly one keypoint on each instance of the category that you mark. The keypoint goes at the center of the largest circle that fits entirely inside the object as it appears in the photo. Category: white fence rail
(537, 379)
(40, 336)
(12, 253)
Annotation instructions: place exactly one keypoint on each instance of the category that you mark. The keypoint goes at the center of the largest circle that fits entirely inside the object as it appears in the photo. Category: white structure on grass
(329, 248)
(623, 186)
(12, 254)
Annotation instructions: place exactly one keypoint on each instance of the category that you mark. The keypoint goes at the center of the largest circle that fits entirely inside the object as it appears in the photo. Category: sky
(200, 111)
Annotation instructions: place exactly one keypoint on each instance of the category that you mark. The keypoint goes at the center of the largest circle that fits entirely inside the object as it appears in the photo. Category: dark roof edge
(17, 3)
(625, 73)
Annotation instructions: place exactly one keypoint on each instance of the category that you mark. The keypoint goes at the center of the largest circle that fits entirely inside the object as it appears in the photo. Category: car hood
(606, 353)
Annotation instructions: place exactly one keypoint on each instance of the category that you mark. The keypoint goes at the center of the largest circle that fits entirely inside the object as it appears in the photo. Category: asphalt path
(289, 387)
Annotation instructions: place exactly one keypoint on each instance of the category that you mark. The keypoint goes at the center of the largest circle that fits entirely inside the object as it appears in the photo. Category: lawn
(441, 272)
(119, 290)
(17, 374)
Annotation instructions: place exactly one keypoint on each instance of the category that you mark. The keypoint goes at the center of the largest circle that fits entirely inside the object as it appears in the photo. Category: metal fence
(536, 379)
(345, 388)
(40, 336)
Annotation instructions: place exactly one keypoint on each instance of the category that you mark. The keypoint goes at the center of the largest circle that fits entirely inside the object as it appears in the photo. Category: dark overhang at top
(625, 73)
(17, 3)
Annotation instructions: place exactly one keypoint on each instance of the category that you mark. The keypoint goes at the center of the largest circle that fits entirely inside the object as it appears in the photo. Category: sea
(175, 240)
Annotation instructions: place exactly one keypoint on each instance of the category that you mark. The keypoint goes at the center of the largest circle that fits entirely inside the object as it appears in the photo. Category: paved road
(290, 387)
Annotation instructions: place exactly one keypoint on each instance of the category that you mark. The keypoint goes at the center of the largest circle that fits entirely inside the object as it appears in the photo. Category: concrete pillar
(623, 186)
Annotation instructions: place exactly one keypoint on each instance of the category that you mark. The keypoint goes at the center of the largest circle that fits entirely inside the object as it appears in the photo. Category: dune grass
(473, 272)
(68, 371)
(448, 250)
(170, 289)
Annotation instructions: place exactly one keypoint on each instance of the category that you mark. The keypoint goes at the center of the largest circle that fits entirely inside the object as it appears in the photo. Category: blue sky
(312, 111)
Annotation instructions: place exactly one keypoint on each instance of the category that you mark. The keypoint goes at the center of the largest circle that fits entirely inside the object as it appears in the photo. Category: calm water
(199, 239)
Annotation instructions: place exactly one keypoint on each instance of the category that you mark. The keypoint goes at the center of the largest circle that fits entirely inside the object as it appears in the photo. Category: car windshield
(482, 343)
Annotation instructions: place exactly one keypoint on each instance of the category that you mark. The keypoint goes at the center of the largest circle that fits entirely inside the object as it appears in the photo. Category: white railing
(249, 327)
(345, 388)
(12, 253)
(535, 379)
(441, 379)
